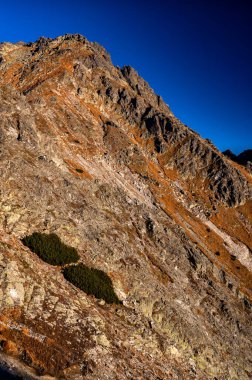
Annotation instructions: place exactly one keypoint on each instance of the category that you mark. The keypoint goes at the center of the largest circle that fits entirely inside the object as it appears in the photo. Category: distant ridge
(244, 158)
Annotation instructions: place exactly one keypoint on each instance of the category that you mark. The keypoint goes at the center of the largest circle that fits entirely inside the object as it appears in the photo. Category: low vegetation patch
(79, 170)
(50, 249)
(91, 281)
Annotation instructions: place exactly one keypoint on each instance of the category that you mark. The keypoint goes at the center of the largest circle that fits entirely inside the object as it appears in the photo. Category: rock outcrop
(89, 152)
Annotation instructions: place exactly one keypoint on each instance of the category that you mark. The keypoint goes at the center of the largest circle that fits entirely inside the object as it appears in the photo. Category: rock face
(88, 151)
(244, 158)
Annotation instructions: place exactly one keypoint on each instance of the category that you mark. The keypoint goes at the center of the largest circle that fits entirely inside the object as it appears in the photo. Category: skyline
(196, 56)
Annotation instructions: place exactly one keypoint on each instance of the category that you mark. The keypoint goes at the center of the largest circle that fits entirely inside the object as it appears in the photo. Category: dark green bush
(50, 249)
(91, 281)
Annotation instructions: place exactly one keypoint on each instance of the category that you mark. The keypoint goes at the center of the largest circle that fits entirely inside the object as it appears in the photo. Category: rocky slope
(244, 158)
(88, 151)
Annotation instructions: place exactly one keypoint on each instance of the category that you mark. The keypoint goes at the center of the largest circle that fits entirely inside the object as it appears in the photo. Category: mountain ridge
(244, 158)
(91, 153)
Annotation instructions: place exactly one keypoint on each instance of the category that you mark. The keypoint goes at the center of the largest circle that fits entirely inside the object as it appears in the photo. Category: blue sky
(197, 54)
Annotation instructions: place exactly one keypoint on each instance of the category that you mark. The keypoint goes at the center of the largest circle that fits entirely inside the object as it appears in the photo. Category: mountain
(244, 158)
(90, 156)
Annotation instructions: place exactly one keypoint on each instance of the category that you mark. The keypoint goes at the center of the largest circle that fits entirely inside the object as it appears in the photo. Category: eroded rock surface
(88, 151)
(244, 158)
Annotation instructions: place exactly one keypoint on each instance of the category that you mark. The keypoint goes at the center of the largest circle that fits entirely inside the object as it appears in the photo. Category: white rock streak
(13, 293)
(238, 249)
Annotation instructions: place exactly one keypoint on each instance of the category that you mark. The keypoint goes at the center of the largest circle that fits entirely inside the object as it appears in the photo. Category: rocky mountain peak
(91, 155)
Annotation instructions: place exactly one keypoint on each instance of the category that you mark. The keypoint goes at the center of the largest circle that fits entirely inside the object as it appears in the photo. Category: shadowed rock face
(89, 152)
(244, 158)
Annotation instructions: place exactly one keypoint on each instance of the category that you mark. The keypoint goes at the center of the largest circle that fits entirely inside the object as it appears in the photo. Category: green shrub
(91, 281)
(50, 249)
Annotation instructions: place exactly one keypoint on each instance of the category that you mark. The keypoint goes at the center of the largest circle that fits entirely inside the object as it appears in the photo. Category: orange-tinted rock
(88, 151)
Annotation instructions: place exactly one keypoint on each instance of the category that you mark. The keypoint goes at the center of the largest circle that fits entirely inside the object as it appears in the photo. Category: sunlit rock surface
(88, 151)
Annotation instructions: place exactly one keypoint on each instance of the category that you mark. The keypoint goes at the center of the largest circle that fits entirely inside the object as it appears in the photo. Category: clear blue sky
(197, 54)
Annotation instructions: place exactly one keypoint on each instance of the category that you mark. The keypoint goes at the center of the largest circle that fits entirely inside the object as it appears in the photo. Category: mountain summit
(94, 165)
